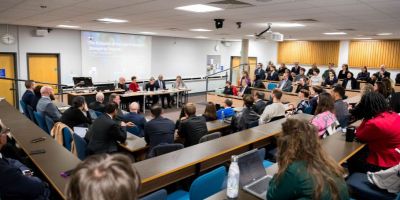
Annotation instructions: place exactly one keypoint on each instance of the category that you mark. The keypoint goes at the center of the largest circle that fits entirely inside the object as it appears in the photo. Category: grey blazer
(46, 107)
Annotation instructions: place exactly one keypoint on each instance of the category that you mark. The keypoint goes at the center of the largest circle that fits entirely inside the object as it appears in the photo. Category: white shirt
(348, 85)
(271, 111)
(315, 80)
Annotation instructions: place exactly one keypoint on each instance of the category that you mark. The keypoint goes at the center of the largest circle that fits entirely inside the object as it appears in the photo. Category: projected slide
(107, 56)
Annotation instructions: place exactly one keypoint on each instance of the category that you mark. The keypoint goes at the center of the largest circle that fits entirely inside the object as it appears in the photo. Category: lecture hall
(199, 99)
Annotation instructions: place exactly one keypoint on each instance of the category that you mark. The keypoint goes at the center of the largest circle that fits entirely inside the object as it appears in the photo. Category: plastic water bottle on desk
(222, 116)
(232, 190)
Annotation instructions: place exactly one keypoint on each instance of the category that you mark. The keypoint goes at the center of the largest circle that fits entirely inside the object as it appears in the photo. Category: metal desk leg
(177, 100)
(144, 103)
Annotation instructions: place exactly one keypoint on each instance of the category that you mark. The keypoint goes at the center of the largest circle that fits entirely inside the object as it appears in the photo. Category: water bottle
(233, 179)
(222, 115)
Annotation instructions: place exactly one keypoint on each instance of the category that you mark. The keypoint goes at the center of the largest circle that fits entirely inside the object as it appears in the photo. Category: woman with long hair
(324, 114)
(380, 88)
(210, 113)
(305, 170)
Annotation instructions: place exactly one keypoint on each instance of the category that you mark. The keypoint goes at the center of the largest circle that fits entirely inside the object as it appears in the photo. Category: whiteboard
(108, 56)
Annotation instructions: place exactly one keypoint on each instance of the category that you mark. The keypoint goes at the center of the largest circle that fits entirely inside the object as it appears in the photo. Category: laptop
(253, 178)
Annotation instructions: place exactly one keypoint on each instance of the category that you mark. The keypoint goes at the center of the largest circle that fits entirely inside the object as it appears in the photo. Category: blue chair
(164, 148)
(49, 123)
(67, 138)
(30, 113)
(210, 136)
(135, 131)
(271, 86)
(40, 121)
(80, 145)
(23, 106)
(98, 113)
(93, 114)
(203, 186)
(158, 195)
(266, 163)
(363, 189)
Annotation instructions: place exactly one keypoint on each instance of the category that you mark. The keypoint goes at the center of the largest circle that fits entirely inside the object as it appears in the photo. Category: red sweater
(134, 87)
(382, 135)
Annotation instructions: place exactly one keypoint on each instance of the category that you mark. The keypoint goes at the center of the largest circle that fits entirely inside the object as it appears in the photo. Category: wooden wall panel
(309, 52)
(373, 53)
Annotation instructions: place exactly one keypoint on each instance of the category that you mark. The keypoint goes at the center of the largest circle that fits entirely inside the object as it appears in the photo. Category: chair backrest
(30, 113)
(272, 86)
(135, 130)
(93, 114)
(40, 121)
(67, 138)
(158, 195)
(251, 124)
(98, 113)
(80, 145)
(49, 123)
(261, 153)
(277, 118)
(207, 184)
(164, 148)
(209, 137)
(23, 106)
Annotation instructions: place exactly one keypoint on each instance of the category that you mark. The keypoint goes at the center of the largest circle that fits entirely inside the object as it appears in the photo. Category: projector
(41, 32)
(277, 37)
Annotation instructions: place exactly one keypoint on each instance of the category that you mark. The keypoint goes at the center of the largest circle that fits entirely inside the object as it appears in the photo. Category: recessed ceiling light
(363, 38)
(383, 34)
(148, 33)
(201, 37)
(199, 8)
(336, 33)
(250, 35)
(111, 20)
(291, 39)
(286, 25)
(67, 26)
(200, 30)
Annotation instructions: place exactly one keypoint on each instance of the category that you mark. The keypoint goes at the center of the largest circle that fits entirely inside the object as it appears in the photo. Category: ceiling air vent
(305, 20)
(230, 4)
(346, 29)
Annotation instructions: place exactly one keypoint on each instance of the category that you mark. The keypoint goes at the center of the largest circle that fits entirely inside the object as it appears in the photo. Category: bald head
(100, 97)
(122, 80)
(46, 91)
(134, 107)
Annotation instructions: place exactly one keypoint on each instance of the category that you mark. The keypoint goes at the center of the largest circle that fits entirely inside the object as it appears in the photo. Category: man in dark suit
(115, 98)
(260, 71)
(259, 104)
(257, 83)
(122, 84)
(98, 105)
(159, 129)
(245, 89)
(16, 180)
(105, 132)
(138, 119)
(151, 86)
(29, 97)
(160, 84)
(285, 84)
(192, 127)
(382, 73)
(296, 68)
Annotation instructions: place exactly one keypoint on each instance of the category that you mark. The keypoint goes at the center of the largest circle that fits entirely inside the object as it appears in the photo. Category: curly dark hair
(372, 104)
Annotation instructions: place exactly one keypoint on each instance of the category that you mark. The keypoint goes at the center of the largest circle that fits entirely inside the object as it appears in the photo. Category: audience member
(382, 73)
(160, 84)
(381, 89)
(259, 71)
(395, 102)
(315, 79)
(244, 89)
(98, 105)
(341, 107)
(389, 88)
(282, 69)
(324, 117)
(259, 104)
(331, 67)
(105, 133)
(276, 109)
(315, 91)
(285, 85)
(398, 78)
(350, 83)
(29, 97)
(302, 84)
(38, 95)
(229, 89)
(373, 79)
(192, 127)
(380, 129)
(304, 105)
(331, 79)
(292, 76)
(122, 84)
(151, 86)
(273, 75)
(312, 69)
(158, 130)
(343, 71)
(258, 83)
(296, 68)
(134, 86)
(245, 77)
(104, 176)
(115, 98)
(248, 117)
(17, 180)
(45, 106)
(305, 170)
(138, 119)
(363, 75)
(301, 74)
(210, 113)
(366, 89)
(77, 114)
(227, 110)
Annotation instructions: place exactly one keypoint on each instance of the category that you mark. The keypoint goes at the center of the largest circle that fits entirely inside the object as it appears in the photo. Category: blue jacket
(159, 130)
(228, 112)
(29, 98)
(138, 120)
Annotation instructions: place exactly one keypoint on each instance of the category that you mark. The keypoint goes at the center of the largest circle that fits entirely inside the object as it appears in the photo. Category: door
(237, 71)
(44, 68)
(7, 70)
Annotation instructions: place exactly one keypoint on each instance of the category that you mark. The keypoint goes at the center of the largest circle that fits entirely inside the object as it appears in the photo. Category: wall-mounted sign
(2, 73)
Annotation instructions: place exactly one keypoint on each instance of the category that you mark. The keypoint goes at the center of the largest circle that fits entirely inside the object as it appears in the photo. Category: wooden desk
(61, 106)
(220, 98)
(56, 159)
(91, 96)
(349, 93)
(353, 100)
(290, 97)
(397, 88)
(175, 166)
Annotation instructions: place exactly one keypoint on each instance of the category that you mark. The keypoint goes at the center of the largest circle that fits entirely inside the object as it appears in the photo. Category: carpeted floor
(173, 113)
